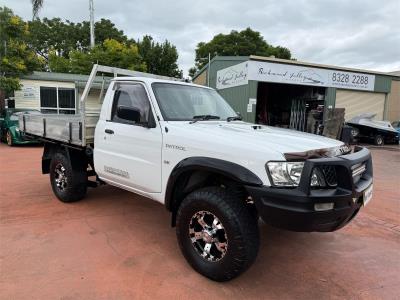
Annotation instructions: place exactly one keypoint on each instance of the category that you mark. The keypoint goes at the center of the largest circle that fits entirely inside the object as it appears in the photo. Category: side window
(131, 95)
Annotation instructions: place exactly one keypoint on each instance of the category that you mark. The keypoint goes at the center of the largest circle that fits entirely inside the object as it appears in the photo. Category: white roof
(150, 80)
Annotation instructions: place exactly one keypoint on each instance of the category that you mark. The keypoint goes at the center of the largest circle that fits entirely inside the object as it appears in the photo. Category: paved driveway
(116, 245)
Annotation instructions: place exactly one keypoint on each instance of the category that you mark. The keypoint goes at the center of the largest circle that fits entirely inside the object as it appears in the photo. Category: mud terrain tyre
(217, 233)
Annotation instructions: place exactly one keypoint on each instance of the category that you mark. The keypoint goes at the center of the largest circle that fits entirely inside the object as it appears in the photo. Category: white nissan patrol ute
(182, 145)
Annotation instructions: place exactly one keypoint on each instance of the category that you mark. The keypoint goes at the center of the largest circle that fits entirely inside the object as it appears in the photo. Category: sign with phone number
(356, 81)
(304, 75)
(241, 73)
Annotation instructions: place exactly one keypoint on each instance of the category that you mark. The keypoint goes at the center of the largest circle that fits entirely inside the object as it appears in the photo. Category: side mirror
(129, 113)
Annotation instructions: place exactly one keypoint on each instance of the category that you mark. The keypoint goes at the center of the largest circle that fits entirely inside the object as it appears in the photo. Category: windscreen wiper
(235, 118)
(204, 118)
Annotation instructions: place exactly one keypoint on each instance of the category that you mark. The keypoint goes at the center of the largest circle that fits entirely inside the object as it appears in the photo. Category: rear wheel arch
(49, 150)
(196, 172)
(77, 157)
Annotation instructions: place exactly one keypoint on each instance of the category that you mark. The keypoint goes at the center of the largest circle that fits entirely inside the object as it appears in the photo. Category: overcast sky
(358, 33)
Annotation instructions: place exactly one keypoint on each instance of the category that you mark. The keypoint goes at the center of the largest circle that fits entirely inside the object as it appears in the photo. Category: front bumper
(293, 209)
(20, 139)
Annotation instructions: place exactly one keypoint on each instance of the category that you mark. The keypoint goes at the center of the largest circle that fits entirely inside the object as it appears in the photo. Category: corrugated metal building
(393, 104)
(272, 91)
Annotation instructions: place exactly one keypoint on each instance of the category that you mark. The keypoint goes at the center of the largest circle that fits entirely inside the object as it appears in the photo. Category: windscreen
(184, 102)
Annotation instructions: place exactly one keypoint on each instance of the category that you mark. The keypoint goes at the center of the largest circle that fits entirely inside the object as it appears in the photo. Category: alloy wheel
(9, 138)
(208, 236)
(60, 177)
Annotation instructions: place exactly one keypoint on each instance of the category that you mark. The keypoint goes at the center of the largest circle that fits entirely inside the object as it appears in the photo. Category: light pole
(208, 67)
(91, 10)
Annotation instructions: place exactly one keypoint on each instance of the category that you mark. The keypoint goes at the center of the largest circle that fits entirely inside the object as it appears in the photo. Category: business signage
(292, 74)
(233, 76)
(27, 93)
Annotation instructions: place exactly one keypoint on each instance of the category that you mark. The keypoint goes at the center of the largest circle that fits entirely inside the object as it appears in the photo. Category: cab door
(128, 152)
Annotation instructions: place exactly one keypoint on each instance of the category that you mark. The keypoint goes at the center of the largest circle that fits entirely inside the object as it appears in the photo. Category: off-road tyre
(76, 178)
(239, 223)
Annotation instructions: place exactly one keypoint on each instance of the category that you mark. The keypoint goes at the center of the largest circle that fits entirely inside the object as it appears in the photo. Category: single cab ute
(182, 145)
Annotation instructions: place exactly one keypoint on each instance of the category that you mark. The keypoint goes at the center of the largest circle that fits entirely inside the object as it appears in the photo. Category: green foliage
(104, 29)
(192, 71)
(65, 45)
(60, 38)
(16, 57)
(58, 63)
(120, 55)
(111, 52)
(9, 84)
(160, 59)
(244, 43)
(52, 35)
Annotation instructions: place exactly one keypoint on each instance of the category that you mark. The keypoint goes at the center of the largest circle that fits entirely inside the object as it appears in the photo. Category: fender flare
(229, 169)
(13, 130)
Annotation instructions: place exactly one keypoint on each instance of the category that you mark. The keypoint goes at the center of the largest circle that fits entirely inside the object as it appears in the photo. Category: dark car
(9, 131)
(396, 125)
(365, 128)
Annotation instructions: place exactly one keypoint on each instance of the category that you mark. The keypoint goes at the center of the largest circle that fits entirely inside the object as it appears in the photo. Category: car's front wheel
(9, 138)
(379, 140)
(217, 233)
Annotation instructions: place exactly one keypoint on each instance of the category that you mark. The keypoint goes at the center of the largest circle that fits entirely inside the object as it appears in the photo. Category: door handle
(109, 131)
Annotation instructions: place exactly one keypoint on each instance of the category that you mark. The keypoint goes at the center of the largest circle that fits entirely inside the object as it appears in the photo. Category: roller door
(356, 103)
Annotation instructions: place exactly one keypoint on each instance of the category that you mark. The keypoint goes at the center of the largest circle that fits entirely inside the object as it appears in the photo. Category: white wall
(29, 95)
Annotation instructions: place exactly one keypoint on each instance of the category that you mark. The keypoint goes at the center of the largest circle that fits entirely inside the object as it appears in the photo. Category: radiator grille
(330, 175)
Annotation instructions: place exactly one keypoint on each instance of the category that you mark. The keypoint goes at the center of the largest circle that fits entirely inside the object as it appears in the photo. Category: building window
(48, 99)
(56, 100)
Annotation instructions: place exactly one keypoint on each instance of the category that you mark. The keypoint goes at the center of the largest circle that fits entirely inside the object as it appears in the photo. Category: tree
(111, 52)
(57, 63)
(16, 57)
(53, 35)
(60, 38)
(64, 46)
(160, 59)
(192, 71)
(36, 6)
(243, 43)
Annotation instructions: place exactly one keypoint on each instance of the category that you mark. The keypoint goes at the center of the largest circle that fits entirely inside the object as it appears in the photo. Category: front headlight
(16, 129)
(285, 173)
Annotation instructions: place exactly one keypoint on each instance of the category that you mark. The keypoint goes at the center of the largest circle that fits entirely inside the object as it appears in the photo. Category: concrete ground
(115, 245)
